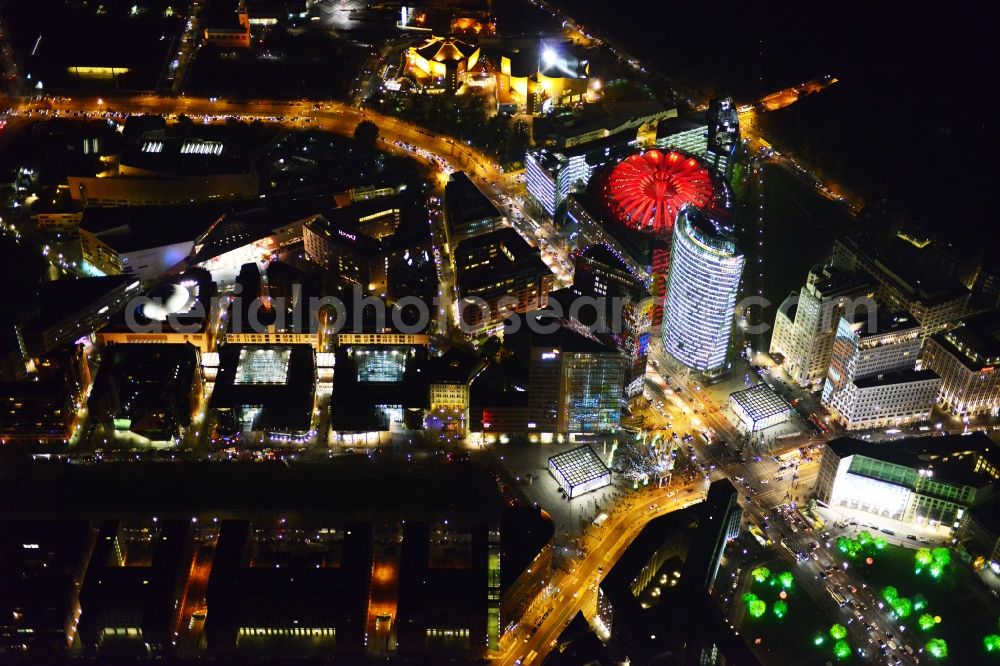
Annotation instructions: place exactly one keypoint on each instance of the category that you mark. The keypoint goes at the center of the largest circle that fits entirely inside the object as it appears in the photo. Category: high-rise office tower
(723, 134)
(873, 381)
(704, 278)
(806, 322)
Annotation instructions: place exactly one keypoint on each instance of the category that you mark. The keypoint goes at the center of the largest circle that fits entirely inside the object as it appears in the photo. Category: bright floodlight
(549, 56)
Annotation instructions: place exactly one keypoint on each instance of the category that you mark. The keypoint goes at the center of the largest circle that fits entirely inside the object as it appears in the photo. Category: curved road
(622, 526)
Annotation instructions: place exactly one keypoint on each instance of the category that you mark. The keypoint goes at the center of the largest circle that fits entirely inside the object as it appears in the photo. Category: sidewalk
(937, 536)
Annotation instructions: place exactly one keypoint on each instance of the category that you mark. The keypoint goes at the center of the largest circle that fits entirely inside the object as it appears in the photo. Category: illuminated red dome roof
(647, 190)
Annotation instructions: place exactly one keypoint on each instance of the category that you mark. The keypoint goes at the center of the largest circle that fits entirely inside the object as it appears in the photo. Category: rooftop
(885, 322)
(975, 341)
(685, 612)
(892, 378)
(647, 190)
(513, 255)
(183, 156)
(831, 281)
(608, 116)
(370, 377)
(685, 123)
(760, 401)
(130, 228)
(62, 299)
(445, 49)
(951, 457)
(906, 276)
(455, 365)
(184, 299)
(464, 202)
(534, 528)
(278, 382)
(148, 385)
(579, 465)
(553, 58)
(569, 336)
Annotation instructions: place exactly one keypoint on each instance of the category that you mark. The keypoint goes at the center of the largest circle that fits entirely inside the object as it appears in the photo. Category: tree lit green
(937, 648)
(841, 650)
(934, 560)
(926, 622)
(863, 543)
(755, 606)
(991, 643)
(890, 594)
(786, 579)
(941, 556)
(780, 608)
(760, 574)
(902, 607)
(820, 638)
(919, 602)
(838, 632)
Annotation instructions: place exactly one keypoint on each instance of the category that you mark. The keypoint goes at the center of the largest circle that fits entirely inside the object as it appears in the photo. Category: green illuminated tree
(880, 543)
(890, 594)
(923, 557)
(780, 608)
(926, 622)
(838, 632)
(991, 643)
(755, 606)
(760, 574)
(819, 639)
(919, 602)
(937, 648)
(902, 606)
(941, 556)
(786, 579)
(841, 650)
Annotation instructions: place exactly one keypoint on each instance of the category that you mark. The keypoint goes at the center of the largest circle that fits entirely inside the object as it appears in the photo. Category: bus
(789, 456)
(819, 423)
(759, 535)
(812, 520)
(784, 544)
(836, 596)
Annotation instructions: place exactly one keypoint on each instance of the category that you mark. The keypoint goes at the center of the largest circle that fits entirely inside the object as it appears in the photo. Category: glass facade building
(704, 278)
(593, 391)
(919, 480)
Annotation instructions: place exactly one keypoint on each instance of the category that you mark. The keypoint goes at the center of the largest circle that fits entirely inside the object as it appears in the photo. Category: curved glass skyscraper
(704, 278)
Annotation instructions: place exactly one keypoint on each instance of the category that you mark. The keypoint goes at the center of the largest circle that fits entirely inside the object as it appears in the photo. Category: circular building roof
(167, 299)
(646, 191)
